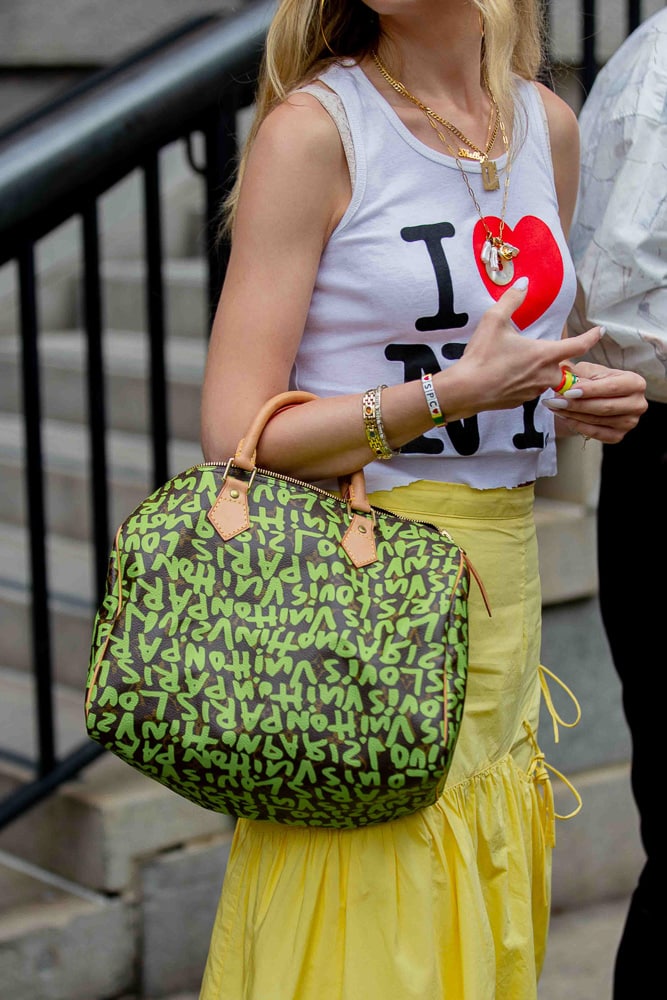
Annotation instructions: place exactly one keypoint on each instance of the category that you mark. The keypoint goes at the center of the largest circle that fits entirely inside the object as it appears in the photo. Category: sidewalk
(581, 950)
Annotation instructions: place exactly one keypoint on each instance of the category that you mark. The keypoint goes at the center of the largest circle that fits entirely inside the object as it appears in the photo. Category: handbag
(272, 650)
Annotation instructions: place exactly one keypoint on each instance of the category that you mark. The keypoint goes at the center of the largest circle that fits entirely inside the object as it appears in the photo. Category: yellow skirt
(451, 903)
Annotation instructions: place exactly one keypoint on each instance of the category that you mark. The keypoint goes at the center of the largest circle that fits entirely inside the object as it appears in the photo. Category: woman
(376, 242)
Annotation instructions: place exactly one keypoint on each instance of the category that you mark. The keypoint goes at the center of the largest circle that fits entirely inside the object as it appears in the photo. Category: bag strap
(230, 514)
(352, 486)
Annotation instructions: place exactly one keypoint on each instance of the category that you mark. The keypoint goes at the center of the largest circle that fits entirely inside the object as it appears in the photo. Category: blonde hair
(305, 36)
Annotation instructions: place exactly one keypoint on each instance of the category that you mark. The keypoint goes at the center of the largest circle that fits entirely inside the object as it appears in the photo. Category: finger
(574, 347)
(511, 299)
(581, 344)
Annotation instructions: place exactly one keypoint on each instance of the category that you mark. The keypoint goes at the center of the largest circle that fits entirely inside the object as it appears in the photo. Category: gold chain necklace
(496, 254)
(489, 172)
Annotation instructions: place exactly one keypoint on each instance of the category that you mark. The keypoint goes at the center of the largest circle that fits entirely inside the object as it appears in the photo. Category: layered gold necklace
(496, 254)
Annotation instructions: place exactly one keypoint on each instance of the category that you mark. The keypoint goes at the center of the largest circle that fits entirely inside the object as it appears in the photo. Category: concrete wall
(45, 47)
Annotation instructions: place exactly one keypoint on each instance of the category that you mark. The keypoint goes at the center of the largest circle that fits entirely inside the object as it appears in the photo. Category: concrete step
(70, 581)
(59, 940)
(151, 951)
(66, 451)
(63, 366)
(186, 295)
(95, 827)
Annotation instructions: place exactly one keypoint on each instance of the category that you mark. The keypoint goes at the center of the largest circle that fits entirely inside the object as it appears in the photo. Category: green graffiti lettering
(343, 726)
(305, 773)
(126, 731)
(171, 652)
(162, 699)
(274, 723)
(243, 689)
(375, 748)
(128, 700)
(315, 749)
(400, 729)
(147, 651)
(250, 717)
(151, 730)
(396, 781)
(369, 778)
(248, 744)
(286, 698)
(153, 595)
(195, 656)
(274, 767)
(431, 708)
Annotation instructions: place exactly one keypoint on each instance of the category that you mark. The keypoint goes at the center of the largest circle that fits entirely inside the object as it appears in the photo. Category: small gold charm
(489, 175)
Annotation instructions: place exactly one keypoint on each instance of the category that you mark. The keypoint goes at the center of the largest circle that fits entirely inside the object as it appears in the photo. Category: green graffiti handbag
(274, 651)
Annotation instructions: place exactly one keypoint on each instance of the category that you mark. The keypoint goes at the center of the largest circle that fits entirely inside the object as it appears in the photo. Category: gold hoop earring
(324, 37)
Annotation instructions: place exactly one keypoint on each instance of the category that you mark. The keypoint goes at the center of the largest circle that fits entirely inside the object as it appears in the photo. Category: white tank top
(400, 287)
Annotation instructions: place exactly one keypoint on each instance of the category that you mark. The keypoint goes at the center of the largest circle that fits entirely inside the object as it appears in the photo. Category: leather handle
(353, 486)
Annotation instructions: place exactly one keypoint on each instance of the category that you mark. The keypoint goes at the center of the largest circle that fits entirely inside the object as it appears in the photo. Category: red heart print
(539, 259)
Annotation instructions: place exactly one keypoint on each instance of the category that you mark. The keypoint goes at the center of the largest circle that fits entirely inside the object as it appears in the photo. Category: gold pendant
(489, 175)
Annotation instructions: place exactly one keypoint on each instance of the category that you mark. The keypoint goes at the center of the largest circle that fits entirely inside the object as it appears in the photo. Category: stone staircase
(108, 888)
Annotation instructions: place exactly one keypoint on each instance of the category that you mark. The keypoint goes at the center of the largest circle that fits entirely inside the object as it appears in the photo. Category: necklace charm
(498, 260)
(489, 175)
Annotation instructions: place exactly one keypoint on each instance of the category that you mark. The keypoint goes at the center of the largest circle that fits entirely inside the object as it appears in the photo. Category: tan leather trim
(229, 514)
(359, 541)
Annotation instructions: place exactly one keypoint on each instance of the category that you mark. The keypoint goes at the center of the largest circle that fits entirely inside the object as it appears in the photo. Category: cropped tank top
(401, 288)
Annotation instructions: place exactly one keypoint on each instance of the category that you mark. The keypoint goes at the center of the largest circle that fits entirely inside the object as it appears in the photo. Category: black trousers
(632, 533)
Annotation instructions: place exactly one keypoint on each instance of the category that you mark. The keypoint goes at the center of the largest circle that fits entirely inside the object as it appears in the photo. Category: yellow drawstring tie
(539, 769)
(546, 693)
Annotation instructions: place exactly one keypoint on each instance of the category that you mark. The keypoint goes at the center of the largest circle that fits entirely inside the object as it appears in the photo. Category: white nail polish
(573, 393)
(521, 283)
(556, 403)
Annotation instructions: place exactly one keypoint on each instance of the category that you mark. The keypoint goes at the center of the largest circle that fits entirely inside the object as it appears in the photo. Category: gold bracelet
(371, 408)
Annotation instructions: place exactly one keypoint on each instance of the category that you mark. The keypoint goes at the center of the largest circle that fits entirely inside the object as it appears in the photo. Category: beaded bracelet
(371, 409)
(432, 402)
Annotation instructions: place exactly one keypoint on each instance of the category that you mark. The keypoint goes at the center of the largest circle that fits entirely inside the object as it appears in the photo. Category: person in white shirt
(619, 246)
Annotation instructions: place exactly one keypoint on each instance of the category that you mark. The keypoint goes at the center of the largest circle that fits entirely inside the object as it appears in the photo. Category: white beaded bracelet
(432, 402)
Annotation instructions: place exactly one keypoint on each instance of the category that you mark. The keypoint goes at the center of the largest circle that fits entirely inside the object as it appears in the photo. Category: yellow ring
(569, 379)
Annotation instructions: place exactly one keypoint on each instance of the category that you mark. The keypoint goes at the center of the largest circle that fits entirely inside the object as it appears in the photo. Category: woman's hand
(502, 368)
(604, 404)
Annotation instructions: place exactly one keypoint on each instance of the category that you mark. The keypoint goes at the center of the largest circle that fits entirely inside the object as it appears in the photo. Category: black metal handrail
(54, 166)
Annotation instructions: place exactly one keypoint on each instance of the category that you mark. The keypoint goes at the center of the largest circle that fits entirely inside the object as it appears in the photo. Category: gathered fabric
(451, 903)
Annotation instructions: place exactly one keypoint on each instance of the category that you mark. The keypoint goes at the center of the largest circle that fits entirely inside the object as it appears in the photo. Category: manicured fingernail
(521, 283)
(556, 404)
(603, 330)
(573, 393)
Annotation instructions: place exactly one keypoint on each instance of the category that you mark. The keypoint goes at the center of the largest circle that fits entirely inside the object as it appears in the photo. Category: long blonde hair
(306, 35)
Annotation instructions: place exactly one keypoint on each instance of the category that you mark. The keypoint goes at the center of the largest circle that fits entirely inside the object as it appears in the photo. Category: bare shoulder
(563, 125)
(296, 169)
(300, 129)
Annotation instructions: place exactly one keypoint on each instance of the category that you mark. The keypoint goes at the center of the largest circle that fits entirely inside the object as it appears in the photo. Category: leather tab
(229, 514)
(359, 541)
